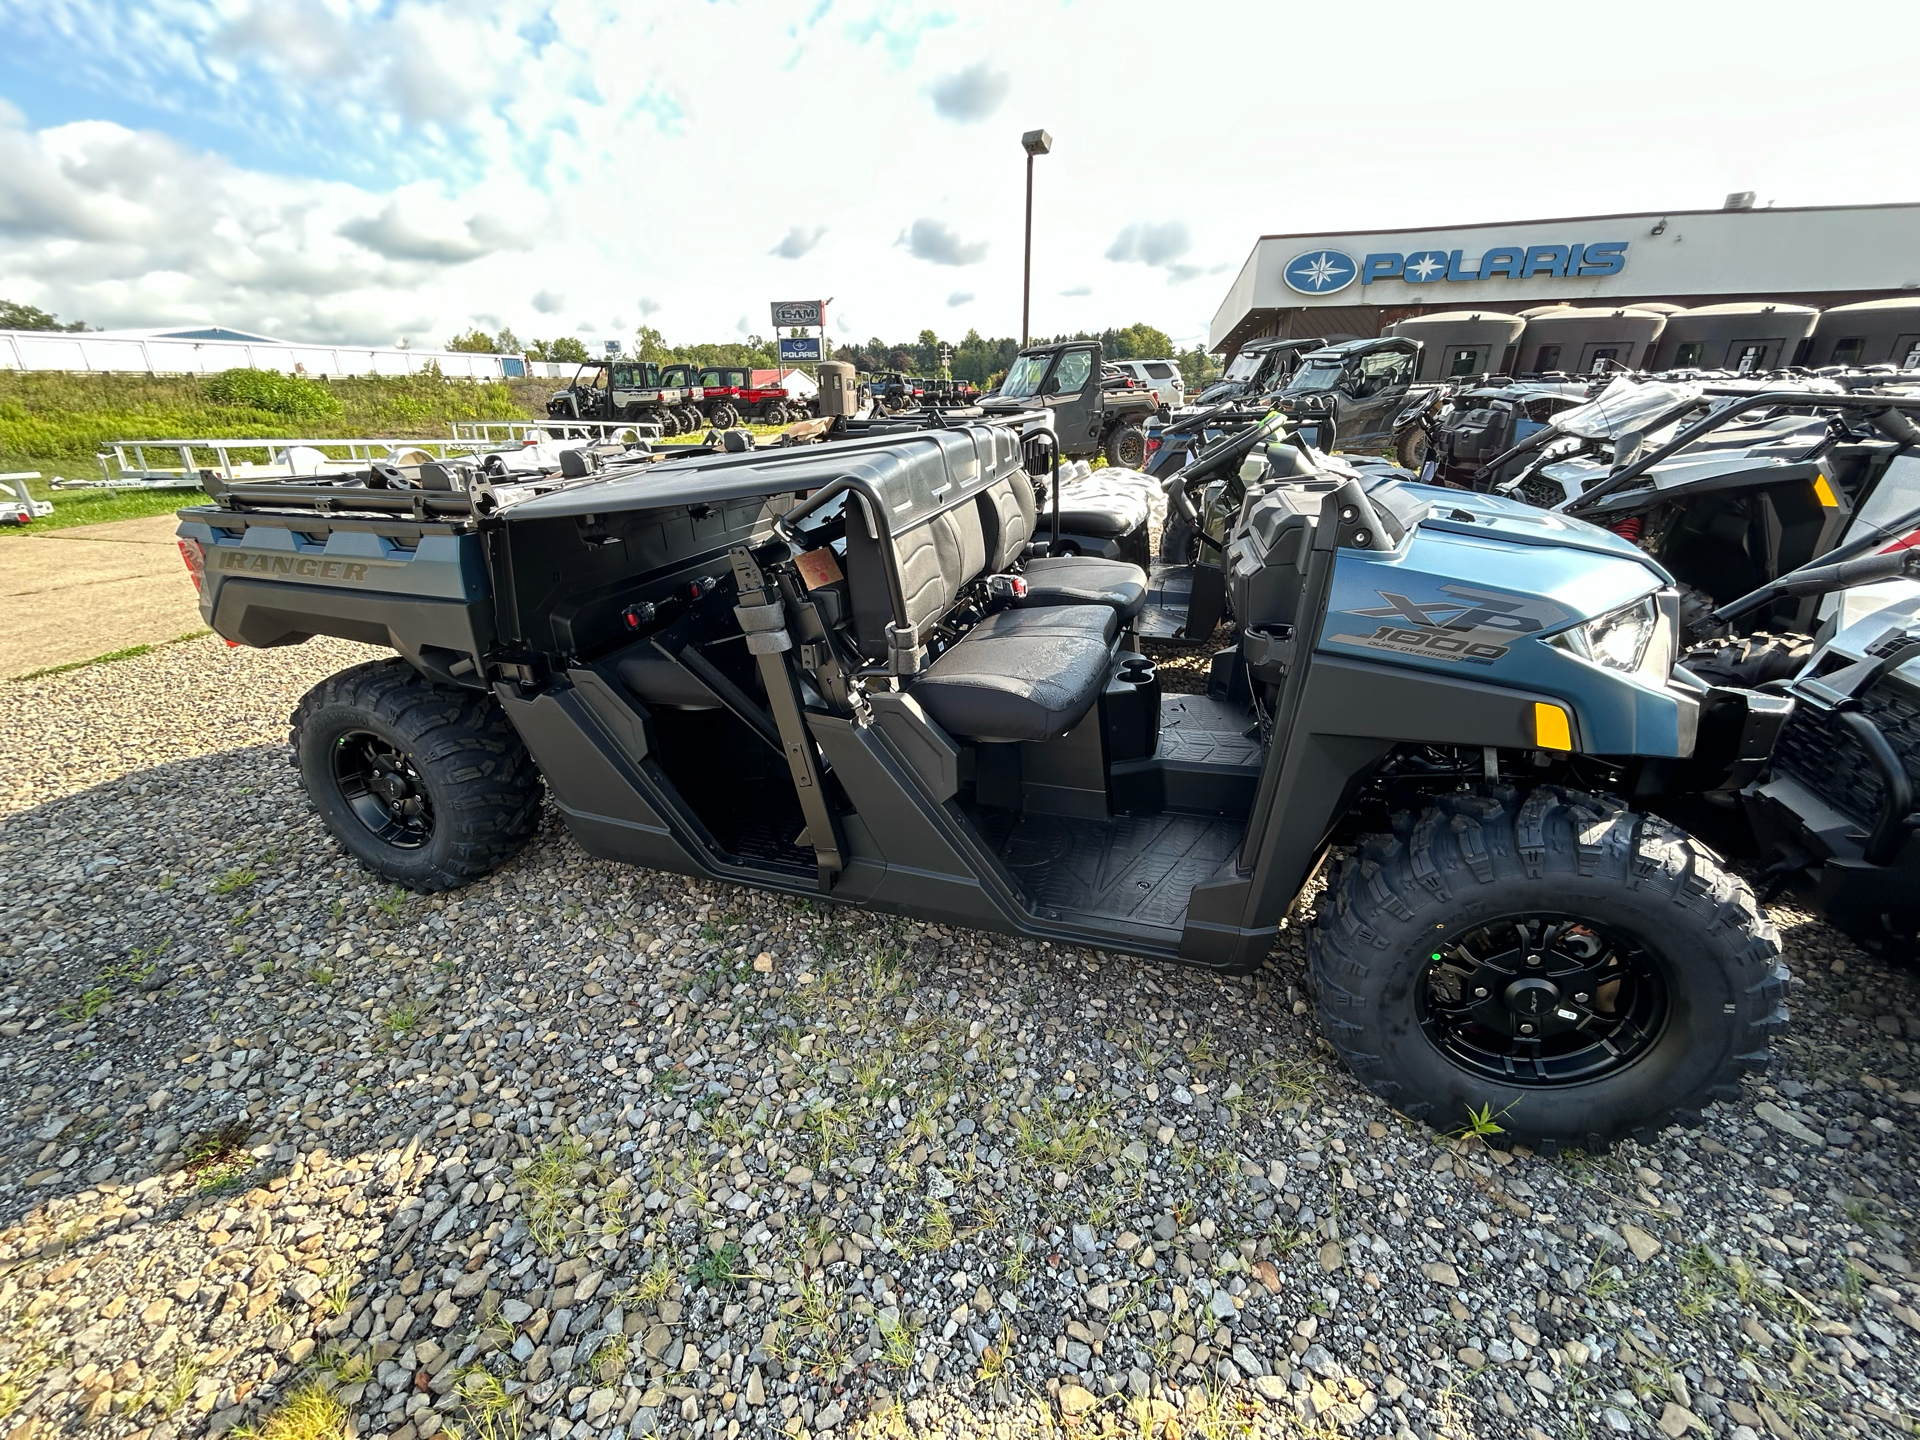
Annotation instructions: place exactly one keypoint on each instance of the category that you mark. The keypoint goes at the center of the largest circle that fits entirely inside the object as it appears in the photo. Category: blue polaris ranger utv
(848, 671)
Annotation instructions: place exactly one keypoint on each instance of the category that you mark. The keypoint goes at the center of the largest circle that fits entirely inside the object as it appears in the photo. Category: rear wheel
(1749, 662)
(427, 786)
(775, 413)
(668, 422)
(1568, 969)
(1126, 446)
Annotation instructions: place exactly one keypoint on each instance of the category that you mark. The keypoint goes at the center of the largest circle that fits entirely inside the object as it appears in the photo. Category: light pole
(1034, 142)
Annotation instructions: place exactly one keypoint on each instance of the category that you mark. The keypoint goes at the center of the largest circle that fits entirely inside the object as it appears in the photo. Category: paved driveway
(74, 594)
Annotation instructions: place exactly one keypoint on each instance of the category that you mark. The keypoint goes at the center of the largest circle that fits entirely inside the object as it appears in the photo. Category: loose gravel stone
(589, 1151)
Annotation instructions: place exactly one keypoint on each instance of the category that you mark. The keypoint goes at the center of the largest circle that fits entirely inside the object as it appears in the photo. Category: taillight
(195, 555)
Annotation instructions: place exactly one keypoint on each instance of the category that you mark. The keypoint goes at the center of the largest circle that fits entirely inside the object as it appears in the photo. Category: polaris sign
(1327, 271)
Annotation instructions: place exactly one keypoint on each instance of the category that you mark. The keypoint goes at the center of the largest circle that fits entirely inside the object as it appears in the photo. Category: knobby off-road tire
(448, 754)
(1126, 447)
(724, 416)
(1179, 544)
(1410, 449)
(1476, 859)
(1749, 662)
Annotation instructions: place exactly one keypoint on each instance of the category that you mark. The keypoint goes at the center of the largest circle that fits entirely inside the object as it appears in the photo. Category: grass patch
(223, 1145)
(488, 1412)
(132, 652)
(551, 1187)
(1052, 1136)
(54, 422)
(405, 1017)
(312, 1412)
(85, 1005)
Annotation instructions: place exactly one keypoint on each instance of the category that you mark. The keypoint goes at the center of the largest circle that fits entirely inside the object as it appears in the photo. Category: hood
(1517, 523)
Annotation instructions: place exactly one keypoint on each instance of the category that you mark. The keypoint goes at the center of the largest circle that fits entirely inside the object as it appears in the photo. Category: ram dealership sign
(1326, 271)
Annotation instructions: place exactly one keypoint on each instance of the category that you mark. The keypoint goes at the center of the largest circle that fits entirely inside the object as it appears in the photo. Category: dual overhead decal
(1326, 271)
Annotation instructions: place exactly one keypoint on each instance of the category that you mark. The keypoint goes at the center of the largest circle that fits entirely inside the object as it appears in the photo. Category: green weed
(405, 1017)
(85, 1005)
(236, 879)
(1482, 1124)
(719, 1269)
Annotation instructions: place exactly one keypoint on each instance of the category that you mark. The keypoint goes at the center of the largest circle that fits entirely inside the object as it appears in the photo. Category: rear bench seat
(1023, 674)
(1007, 514)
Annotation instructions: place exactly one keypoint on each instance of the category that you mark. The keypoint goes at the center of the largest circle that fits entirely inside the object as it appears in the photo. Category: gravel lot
(592, 1151)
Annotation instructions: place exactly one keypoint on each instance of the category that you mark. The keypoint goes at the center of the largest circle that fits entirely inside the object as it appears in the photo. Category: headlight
(1619, 640)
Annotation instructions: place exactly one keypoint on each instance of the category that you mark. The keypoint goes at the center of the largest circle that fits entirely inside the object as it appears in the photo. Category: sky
(373, 170)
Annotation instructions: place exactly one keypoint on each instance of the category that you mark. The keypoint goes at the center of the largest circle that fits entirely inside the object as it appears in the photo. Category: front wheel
(1554, 964)
(1410, 449)
(1179, 542)
(427, 786)
(1126, 447)
(1751, 661)
(724, 416)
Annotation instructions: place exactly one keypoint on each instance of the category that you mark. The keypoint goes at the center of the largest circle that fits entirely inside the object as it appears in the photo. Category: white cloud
(798, 241)
(959, 298)
(971, 94)
(935, 241)
(1152, 244)
(521, 159)
(394, 235)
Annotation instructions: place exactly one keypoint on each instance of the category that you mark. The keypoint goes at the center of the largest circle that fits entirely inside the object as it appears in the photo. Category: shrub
(271, 391)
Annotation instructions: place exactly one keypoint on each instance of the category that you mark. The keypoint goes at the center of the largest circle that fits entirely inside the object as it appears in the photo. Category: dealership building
(1736, 288)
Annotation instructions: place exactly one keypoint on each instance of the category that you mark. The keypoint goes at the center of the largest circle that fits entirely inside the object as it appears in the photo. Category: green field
(53, 422)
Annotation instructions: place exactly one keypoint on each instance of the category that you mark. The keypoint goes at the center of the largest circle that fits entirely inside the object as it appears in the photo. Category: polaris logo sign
(1327, 271)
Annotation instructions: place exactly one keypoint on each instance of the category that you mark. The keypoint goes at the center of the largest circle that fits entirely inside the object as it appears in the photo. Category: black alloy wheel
(383, 789)
(427, 785)
(1542, 1000)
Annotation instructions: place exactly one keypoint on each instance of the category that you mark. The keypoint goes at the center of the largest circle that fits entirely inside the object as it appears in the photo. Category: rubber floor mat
(1134, 868)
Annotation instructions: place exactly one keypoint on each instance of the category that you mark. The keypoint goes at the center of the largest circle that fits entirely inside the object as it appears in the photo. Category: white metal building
(204, 349)
(1355, 283)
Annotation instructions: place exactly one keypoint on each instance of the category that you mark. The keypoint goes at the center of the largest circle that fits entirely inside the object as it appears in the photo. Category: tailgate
(417, 588)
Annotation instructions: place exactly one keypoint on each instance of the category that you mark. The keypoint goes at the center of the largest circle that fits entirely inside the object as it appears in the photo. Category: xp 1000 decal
(1460, 624)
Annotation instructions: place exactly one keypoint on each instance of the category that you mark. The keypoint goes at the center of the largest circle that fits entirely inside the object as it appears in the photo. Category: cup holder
(1138, 671)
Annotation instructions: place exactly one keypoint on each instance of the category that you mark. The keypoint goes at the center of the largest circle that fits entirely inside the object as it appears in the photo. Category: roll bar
(1840, 568)
(1764, 400)
(874, 507)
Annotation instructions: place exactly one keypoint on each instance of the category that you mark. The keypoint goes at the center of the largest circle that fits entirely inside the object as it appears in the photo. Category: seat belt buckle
(1006, 588)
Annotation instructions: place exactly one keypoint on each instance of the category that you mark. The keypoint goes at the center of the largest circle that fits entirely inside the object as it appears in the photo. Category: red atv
(731, 396)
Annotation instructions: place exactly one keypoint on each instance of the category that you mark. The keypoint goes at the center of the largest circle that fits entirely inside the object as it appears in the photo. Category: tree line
(976, 358)
(16, 316)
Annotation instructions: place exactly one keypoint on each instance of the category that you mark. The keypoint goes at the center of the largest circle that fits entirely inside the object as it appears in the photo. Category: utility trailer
(835, 671)
(17, 505)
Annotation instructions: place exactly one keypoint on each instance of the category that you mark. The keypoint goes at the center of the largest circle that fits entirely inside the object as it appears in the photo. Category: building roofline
(1582, 219)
